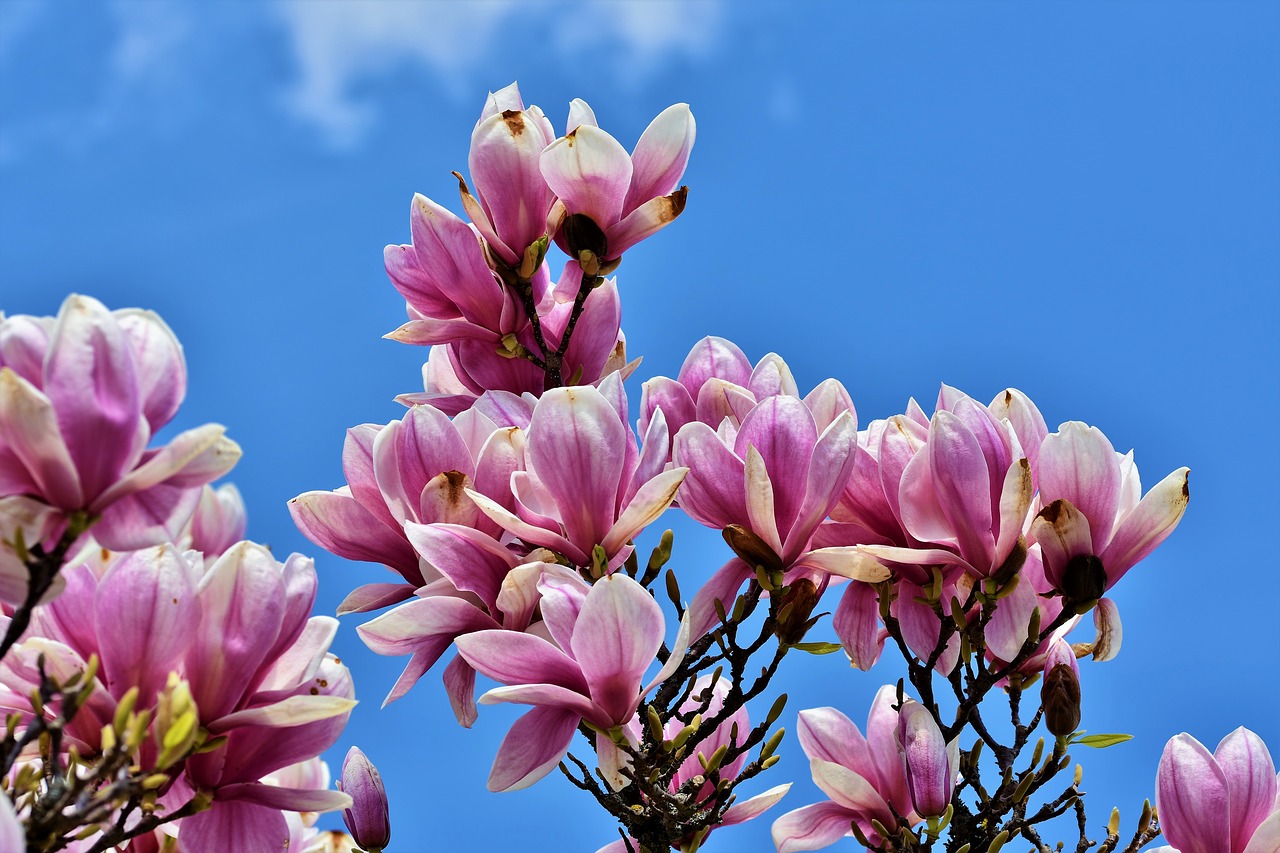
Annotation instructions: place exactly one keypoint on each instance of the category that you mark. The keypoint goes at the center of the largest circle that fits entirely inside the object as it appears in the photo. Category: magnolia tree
(168, 690)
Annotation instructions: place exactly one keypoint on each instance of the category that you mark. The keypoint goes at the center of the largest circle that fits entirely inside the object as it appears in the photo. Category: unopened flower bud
(928, 762)
(751, 548)
(1060, 696)
(367, 820)
(794, 610)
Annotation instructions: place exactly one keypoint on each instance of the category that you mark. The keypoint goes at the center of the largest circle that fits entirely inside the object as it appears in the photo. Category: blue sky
(1078, 200)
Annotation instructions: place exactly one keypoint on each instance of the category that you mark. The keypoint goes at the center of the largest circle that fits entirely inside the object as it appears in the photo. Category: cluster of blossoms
(171, 691)
(147, 642)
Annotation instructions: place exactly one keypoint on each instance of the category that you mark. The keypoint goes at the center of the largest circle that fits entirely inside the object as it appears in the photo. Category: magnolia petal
(590, 172)
(846, 561)
(339, 524)
(287, 799)
(712, 494)
(962, 479)
(616, 636)
(29, 427)
(374, 596)
(1251, 782)
(460, 684)
(293, 711)
(1150, 523)
(812, 827)
(645, 221)
(661, 155)
(514, 658)
(1266, 838)
(1106, 619)
(1078, 463)
(91, 380)
(828, 735)
(857, 624)
(1192, 796)
(850, 790)
(755, 806)
(649, 502)
(235, 825)
(532, 748)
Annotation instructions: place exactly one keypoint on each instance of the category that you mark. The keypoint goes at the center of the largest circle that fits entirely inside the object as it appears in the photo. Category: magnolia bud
(753, 550)
(794, 610)
(367, 820)
(1060, 696)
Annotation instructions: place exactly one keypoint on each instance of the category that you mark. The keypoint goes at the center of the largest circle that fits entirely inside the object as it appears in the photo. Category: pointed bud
(1060, 696)
(928, 762)
(367, 820)
(794, 610)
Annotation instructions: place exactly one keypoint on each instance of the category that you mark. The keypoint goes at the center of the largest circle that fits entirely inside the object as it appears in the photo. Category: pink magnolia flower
(218, 523)
(413, 470)
(864, 777)
(775, 474)
(513, 199)
(1093, 527)
(963, 493)
(81, 395)
(239, 634)
(691, 769)
(607, 200)
(602, 639)
(585, 481)
(1224, 802)
(716, 382)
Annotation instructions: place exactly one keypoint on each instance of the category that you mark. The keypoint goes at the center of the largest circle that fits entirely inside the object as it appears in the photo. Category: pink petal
(504, 165)
(29, 427)
(145, 606)
(661, 155)
(857, 624)
(752, 808)
(723, 586)
(649, 502)
(850, 790)
(615, 639)
(717, 358)
(341, 525)
(830, 467)
(577, 449)
(374, 596)
(90, 378)
(1079, 464)
(1192, 798)
(460, 684)
(513, 658)
(645, 221)
(1251, 782)
(416, 624)
(532, 748)
(149, 517)
(963, 483)
(1148, 525)
(829, 735)
(812, 827)
(235, 825)
(590, 172)
(158, 362)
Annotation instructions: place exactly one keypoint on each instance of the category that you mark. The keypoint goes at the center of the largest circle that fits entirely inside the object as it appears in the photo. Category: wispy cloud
(342, 44)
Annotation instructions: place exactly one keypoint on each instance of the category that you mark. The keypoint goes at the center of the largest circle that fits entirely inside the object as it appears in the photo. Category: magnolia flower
(602, 639)
(513, 199)
(585, 482)
(866, 778)
(413, 470)
(716, 382)
(232, 642)
(769, 481)
(1093, 527)
(1224, 802)
(218, 523)
(607, 200)
(80, 397)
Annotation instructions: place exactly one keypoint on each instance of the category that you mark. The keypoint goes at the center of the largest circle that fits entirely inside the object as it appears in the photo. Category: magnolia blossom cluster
(506, 502)
(193, 647)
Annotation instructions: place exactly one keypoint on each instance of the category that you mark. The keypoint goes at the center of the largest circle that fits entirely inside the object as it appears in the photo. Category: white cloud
(341, 44)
